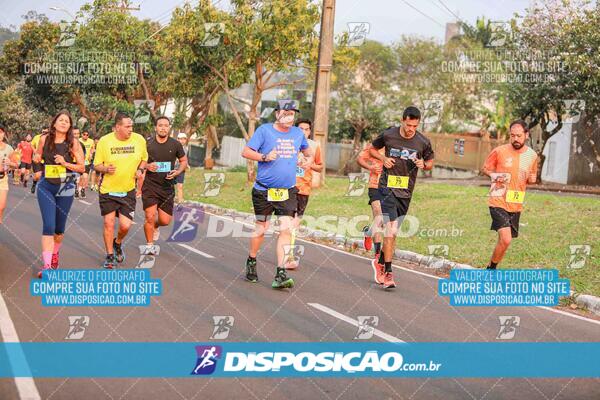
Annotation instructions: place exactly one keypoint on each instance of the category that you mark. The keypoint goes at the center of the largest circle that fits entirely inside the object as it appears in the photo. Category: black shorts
(393, 207)
(504, 219)
(263, 208)
(25, 165)
(122, 205)
(302, 202)
(162, 197)
(88, 168)
(374, 195)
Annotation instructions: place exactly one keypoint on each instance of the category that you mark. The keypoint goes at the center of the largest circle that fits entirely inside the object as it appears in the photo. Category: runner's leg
(3, 196)
(149, 223)
(504, 239)
(109, 231)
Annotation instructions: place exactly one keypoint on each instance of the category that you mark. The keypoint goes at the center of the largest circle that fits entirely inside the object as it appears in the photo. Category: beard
(162, 135)
(517, 145)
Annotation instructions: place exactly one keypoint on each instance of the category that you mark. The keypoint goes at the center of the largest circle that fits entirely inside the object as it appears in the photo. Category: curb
(592, 303)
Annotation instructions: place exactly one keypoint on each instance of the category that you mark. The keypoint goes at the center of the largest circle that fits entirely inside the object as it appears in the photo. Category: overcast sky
(388, 19)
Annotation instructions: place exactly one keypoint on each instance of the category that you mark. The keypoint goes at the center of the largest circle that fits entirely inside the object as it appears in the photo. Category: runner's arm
(489, 167)
(310, 157)
(78, 166)
(251, 154)
(317, 165)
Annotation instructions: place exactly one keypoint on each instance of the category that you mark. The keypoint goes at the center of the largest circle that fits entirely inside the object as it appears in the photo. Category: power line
(450, 11)
(422, 13)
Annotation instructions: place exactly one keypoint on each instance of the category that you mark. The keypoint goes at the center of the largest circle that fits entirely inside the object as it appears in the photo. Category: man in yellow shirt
(88, 145)
(121, 156)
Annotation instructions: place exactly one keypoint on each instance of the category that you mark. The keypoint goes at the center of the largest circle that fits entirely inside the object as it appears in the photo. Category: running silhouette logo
(186, 224)
(223, 324)
(508, 326)
(67, 187)
(357, 184)
(212, 184)
(77, 326)
(207, 359)
(366, 326)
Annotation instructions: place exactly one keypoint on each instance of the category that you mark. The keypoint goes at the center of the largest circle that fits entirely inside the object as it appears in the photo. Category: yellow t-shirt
(125, 155)
(88, 148)
(35, 141)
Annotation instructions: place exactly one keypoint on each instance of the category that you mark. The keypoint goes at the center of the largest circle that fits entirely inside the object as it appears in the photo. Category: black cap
(287, 105)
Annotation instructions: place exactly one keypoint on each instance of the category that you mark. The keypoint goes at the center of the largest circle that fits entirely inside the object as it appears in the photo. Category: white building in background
(557, 152)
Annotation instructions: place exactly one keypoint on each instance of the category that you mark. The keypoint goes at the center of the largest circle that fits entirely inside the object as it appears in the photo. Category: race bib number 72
(515, 196)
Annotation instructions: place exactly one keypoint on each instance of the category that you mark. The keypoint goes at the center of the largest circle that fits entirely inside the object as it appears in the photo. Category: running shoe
(378, 270)
(251, 274)
(110, 262)
(490, 267)
(281, 280)
(76, 193)
(41, 271)
(149, 250)
(388, 281)
(368, 240)
(33, 187)
(54, 262)
(82, 193)
(156, 234)
(119, 255)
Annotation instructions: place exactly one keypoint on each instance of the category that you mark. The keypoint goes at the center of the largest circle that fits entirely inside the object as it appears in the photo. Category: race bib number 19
(55, 171)
(515, 196)
(397, 182)
(277, 195)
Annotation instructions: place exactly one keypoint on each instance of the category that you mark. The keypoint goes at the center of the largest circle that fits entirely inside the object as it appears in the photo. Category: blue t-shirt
(281, 172)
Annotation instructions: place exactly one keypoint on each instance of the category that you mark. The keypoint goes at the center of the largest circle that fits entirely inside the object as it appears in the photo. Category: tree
(360, 96)
(570, 74)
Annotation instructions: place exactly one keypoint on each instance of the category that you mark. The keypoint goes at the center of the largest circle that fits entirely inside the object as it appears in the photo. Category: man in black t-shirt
(406, 151)
(158, 191)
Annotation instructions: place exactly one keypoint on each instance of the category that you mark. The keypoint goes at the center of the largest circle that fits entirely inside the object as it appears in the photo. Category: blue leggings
(54, 207)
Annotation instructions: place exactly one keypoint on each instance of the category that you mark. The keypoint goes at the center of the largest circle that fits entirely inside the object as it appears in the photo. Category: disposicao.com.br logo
(289, 363)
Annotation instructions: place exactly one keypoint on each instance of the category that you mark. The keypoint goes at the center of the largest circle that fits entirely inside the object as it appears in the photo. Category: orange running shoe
(388, 281)
(378, 270)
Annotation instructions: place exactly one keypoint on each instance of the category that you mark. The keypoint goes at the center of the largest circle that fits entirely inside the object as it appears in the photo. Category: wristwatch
(264, 157)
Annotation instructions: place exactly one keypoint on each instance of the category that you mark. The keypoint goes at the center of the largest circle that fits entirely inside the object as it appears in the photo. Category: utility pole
(323, 80)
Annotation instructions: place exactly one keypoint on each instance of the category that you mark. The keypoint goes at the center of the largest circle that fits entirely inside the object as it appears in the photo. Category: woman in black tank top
(63, 157)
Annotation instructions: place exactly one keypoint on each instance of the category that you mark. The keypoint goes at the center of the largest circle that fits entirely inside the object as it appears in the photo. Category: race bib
(163, 166)
(299, 172)
(55, 171)
(117, 194)
(277, 195)
(515, 196)
(397, 182)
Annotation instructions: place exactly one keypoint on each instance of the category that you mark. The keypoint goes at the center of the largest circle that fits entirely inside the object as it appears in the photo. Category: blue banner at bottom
(325, 360)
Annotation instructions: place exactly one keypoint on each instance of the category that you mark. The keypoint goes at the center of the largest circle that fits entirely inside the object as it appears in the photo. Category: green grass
(458, 216)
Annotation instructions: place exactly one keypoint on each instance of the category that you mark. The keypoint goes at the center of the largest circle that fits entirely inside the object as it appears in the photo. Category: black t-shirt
(403, 151)
(165, 154)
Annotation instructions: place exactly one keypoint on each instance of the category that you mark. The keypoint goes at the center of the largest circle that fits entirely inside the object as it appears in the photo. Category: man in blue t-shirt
(276, 147)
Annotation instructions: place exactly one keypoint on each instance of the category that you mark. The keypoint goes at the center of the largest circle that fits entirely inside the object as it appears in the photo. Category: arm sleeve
(379, 142)
(304, 143)
(491, 161)
(100, 156)
(256, 141)
(428, 152)
(179, 152)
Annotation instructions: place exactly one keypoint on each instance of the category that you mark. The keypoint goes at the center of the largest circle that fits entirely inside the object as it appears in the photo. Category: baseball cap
(181, 135)
(287, 105)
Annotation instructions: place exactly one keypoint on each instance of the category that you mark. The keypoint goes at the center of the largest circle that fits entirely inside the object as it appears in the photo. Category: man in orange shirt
(373, 234)
(304, 184)
(511, 167)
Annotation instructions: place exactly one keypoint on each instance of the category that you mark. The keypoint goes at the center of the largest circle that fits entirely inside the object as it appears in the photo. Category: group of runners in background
(125, 166)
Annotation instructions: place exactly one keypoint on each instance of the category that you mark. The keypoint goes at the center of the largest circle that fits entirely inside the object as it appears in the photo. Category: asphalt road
(205, 279)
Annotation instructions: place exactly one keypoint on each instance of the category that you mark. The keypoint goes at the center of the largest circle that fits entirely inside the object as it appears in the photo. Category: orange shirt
(304, 176)
(517, 165)
(365, 156)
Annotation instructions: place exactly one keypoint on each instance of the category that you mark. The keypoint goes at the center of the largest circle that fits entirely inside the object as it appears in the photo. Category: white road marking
(25, 385)
(566, 314)
(85, 202)
(190, 248)
(354, 322)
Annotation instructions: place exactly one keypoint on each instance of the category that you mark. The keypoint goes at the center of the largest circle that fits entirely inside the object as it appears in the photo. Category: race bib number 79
(397, 182)
(277, 195)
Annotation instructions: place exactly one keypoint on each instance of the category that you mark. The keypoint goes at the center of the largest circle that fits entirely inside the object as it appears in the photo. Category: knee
(505, 240)
(109, 223)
